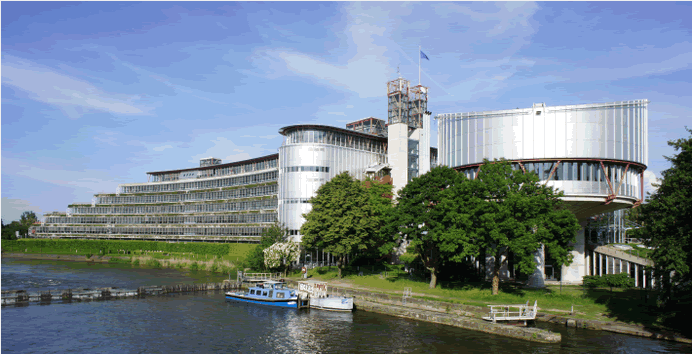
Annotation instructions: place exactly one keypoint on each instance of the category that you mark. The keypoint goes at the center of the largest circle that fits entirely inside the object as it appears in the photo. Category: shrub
(621, 280)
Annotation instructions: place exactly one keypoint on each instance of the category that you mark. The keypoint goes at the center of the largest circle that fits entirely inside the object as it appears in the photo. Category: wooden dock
(523, 312)
(23, 297)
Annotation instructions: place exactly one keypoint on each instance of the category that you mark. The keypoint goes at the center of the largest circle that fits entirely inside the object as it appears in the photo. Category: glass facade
(231, 202)
(312, 155)
(615, 131)
(584, 150)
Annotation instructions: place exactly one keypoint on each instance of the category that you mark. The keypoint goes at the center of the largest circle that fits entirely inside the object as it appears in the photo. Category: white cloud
(58, 175)
(12, 209)
(649, 179)
(337, 113)
(73, 96)
(161, 148)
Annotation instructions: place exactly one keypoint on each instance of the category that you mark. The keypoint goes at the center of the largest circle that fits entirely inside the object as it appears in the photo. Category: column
(600, 264)
(574, 273)
(636, 276)
(644, 277)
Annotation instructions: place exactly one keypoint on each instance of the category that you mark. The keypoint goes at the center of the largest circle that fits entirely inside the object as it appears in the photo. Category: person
(305, 272)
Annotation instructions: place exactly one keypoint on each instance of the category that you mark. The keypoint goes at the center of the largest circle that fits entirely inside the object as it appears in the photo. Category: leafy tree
(425, 219)
(28, 218)
(666, 221)
(342, 220)
(381, 205)
(274, 234)
(9, 231)
(281, 254)
(518, 215)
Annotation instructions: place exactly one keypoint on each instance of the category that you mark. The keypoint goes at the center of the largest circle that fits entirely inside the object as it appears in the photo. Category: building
(213, 202)
(595, 153)
(235, 202)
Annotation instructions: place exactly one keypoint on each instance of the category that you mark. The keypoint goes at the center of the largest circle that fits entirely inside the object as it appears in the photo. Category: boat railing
(521, 312)
(256, 277)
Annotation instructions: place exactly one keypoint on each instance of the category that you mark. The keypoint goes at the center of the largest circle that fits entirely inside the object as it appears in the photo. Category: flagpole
(420, 50)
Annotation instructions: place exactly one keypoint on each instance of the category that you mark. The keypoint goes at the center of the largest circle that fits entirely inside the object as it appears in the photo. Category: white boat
(319, 298)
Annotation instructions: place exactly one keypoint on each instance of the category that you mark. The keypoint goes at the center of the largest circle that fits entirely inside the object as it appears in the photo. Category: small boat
(271, 292)
(320, 299)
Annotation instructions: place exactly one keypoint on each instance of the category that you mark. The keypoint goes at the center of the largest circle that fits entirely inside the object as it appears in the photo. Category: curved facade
(595, 153)
(311, 155)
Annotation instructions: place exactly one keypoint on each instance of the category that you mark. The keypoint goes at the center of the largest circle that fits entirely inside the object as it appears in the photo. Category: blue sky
(95, 94)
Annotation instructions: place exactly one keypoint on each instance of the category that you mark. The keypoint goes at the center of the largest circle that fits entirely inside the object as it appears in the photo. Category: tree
(518, 215)
(28, 218)
(9, 231)
(271, 235)
(666, 224)
(341, 221)
(424, 218)
(281, 254)
(380, 199)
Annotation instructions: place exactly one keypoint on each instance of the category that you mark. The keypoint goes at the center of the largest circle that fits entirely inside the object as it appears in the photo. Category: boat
(319, 298)
(271, 292)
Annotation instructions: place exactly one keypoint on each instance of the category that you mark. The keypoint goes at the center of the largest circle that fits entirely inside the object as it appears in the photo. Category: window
(280, 295)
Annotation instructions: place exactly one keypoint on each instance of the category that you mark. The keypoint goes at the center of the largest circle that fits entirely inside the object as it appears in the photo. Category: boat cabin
(271, 290)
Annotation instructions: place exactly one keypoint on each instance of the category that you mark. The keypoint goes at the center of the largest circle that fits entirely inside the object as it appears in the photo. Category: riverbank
(420, 307)
(143, 261)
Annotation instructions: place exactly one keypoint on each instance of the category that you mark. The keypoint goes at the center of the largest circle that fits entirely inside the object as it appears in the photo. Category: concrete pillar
(600, 264)
(620, 267)
(537, 279)
(636, 276)
(607, 265)
(574, 273)
(397, 154)
(644, 277)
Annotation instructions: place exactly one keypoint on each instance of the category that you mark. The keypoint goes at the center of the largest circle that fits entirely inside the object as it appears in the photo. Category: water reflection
(205, 322)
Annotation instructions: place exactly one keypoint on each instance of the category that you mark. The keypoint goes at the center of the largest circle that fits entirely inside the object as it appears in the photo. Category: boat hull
(288, 303)
(332, 303)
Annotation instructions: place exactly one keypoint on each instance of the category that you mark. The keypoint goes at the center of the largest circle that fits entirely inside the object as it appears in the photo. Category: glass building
(595, 153)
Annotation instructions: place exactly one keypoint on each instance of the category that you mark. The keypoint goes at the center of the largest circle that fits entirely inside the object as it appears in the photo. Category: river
(205, 323)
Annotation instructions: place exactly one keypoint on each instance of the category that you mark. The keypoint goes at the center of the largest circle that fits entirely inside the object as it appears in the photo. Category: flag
(423, 56)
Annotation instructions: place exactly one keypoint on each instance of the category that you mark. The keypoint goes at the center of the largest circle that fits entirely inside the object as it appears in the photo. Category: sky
(96, 94)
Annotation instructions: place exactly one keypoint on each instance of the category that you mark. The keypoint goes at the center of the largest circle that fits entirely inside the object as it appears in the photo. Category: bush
(153, 263)
(621, 280)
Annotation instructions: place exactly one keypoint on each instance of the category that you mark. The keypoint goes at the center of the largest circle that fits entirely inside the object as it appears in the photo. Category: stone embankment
(469, 317)
(457, 315)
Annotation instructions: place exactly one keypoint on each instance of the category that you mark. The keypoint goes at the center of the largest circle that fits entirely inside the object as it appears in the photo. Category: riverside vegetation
(212, 257)
(596, 301)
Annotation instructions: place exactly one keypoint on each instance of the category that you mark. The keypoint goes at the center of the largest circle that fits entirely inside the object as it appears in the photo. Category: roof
(285, 130)
(223, 165)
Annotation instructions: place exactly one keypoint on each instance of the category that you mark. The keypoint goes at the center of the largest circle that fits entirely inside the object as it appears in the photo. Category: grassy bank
(213, 257)
(626, 305)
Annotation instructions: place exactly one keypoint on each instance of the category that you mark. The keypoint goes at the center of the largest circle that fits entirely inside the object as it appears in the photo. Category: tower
(408, 136)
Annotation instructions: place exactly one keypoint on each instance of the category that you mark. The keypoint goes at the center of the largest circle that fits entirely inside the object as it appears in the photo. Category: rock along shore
(431, 311)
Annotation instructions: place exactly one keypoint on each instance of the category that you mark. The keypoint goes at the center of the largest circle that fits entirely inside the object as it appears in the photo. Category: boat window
(264, 293)
(271, 292)
(252, 292)
(280, 295)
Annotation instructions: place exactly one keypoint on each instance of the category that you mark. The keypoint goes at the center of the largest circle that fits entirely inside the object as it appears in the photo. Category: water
(206, 323)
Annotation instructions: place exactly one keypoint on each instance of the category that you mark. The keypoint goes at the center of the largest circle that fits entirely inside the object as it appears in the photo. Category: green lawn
(622, 305)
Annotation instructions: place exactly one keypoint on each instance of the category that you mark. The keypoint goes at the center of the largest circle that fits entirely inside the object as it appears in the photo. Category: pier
(23, 297)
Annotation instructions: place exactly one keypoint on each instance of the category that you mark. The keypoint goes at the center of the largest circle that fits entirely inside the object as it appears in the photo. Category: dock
(23, 297)
(523, 312)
